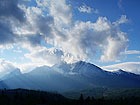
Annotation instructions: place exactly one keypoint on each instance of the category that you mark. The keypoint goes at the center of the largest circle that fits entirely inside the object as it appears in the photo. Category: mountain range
(69, 77)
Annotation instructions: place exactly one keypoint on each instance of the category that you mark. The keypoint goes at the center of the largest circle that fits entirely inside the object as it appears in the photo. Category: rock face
(68, 77)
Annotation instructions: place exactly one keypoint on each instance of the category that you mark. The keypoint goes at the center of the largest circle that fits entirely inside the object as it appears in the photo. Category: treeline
(102, 101)
(31, 97)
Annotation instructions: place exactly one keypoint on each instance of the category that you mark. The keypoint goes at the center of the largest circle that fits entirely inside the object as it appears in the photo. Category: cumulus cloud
(90, 37)
(51, 21)
(58, 9)
(133, 67)
(38, 26)
(113, 49)
(122, 20)
(86, 9)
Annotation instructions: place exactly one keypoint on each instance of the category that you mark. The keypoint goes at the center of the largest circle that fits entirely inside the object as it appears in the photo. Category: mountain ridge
(68, 77)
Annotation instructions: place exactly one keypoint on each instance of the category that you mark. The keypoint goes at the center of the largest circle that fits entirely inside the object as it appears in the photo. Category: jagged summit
(76, 67)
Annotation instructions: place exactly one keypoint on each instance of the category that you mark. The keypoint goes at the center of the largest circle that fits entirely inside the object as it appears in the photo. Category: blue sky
(44, 32)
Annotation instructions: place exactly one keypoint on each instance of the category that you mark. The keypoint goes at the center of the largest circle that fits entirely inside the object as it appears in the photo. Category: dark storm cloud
(43, 24)
(34, 39)
(9, 8)
(6, 34)
(10, 15)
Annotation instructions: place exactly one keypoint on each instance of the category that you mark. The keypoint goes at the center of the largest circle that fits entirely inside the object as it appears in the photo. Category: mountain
(93, 75)
(11, 74)
(42, 78)
(68, 77)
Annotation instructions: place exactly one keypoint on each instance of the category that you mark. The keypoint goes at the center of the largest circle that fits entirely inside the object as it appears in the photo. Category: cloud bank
(133, 67)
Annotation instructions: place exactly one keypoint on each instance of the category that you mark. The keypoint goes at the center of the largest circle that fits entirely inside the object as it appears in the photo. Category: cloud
(6, 67)
(86, 38)
(27, 67)
(37, 26)
(10, 16)
(122, 20)
(131, 52)
(6, 35)
(20, 24)
(46, 56)
(58, 9)
(12, 9)
(52, 22)
(90, 37)
(96, 11)
(133, 67)
(86, 9)
(120, 4)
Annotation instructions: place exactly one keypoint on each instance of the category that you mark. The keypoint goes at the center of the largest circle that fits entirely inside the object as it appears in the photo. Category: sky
(47, 32)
